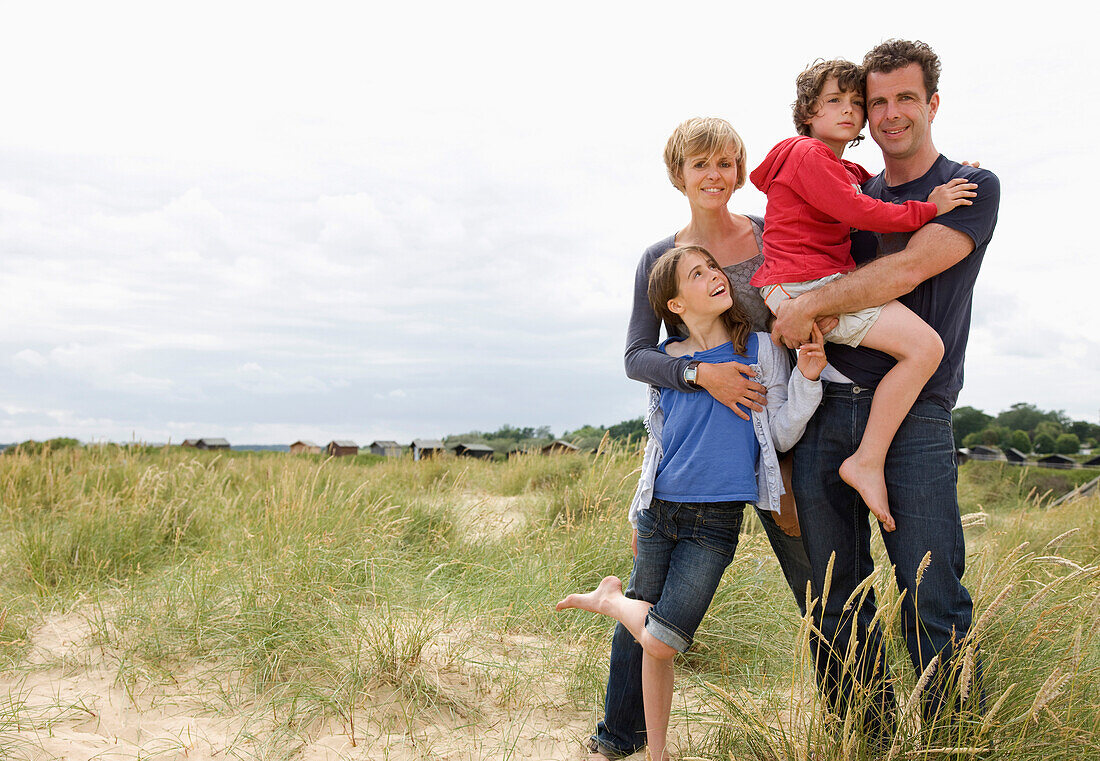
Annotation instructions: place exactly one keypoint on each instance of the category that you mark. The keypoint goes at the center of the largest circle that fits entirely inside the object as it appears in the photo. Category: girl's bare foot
(869, 481)
(596, 600)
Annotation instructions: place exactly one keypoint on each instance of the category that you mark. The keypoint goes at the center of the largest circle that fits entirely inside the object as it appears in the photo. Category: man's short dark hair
(897, 54)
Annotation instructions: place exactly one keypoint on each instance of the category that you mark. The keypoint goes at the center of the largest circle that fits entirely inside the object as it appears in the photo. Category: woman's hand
(811, 356)
(732, 384)
(634, 542)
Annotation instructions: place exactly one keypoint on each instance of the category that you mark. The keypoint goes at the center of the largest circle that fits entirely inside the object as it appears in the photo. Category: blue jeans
(622, 730)
(921, 476)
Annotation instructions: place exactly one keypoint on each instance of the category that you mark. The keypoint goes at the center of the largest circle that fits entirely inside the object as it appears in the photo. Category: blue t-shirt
(709, 452)
(943, 301)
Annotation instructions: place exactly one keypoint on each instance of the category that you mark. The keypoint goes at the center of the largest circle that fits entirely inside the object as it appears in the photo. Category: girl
(703, 463)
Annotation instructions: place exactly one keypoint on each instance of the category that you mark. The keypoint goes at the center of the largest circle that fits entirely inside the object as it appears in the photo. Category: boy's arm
(932, 249)
(824, 183)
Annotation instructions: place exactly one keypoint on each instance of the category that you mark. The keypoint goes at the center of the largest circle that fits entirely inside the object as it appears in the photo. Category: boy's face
(840, 115)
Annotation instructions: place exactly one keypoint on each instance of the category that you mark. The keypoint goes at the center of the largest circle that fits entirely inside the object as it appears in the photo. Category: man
(931, 271)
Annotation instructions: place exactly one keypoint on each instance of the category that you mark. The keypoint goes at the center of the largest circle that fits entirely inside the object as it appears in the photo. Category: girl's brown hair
(664, 285)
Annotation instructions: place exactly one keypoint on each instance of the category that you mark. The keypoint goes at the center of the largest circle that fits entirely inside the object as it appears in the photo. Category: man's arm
(933, 249)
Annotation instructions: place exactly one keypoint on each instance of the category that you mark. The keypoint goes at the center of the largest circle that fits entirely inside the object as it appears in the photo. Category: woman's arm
(644, 361)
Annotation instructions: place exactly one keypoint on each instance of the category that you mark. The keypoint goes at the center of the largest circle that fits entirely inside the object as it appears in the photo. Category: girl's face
(709, 180)
(704, 290)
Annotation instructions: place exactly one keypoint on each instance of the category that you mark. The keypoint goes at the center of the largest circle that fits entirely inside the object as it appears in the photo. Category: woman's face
(709, 180)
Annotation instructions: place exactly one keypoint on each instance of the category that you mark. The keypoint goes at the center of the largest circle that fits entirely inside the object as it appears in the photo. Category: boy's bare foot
(596, 600)
(871, 485)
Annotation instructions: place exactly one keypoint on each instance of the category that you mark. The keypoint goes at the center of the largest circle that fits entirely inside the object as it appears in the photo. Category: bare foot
(596, 600)
(871, 485)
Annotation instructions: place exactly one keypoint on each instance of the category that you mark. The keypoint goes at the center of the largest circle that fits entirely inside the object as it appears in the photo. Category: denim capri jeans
(683, 550)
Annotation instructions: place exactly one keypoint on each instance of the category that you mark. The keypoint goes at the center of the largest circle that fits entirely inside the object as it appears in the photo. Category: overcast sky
(392, 220)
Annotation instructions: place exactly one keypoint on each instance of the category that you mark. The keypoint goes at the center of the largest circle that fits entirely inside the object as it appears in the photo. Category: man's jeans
(921, 475)
(622, 730)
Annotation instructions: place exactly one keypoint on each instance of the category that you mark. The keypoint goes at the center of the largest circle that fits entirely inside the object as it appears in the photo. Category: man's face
(898, 111)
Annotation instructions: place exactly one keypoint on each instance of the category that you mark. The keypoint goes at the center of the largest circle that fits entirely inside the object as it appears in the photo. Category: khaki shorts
(852, 328)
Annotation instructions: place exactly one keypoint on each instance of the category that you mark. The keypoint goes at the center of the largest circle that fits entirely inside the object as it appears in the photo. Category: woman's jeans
(622, 730)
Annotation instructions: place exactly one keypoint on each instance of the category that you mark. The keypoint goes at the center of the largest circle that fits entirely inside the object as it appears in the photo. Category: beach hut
(1093, 463)
(341, 448)
(982, 452)
(212, 443)
(1057, 461)
(422, 448)
(190, 443)
(303, 446)
(385, 448)
(559, 447)
(483, 451)
(1015, 456)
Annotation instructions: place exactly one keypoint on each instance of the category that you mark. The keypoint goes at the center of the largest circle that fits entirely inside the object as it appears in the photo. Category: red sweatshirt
(813, 202)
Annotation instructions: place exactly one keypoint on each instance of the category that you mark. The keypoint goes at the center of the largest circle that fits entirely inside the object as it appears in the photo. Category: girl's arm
(792, 397)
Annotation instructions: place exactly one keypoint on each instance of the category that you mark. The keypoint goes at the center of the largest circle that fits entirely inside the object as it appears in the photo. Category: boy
(813, 201)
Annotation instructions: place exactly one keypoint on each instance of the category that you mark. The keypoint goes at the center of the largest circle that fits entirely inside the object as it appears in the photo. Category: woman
(705, 160)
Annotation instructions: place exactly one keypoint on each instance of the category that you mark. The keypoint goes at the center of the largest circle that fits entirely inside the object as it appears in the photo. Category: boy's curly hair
(810, 83)
(896, 54)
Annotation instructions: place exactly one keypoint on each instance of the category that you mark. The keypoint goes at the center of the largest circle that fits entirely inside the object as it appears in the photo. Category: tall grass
(306, 592)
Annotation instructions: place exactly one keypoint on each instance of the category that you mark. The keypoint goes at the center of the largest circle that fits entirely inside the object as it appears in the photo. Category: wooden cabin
(483, 451)
(212, 443)
(1057, 461)
(386, 448)
(303, 446)
(341, 448)
(422, 448)
(983, 452)
(559, 447)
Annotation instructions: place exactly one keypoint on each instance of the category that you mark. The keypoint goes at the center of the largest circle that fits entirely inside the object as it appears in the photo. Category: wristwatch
(690, 372)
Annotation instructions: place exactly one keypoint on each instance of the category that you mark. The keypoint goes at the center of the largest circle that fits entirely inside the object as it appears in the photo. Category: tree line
(1024, 427)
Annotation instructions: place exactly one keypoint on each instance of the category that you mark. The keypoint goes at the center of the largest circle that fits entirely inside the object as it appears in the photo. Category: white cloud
(394, 241)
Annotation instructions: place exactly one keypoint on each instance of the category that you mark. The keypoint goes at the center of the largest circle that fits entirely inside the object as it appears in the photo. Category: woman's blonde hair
(664, 285)
(702, 136)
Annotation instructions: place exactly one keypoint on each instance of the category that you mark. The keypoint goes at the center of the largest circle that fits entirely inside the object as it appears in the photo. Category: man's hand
(793, 322)
(732, 384)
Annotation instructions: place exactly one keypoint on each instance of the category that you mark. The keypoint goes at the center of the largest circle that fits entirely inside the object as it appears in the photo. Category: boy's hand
(811, 356)
(957, 192)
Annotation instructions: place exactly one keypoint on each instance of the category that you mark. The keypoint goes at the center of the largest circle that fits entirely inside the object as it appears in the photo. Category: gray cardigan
(792, 400)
